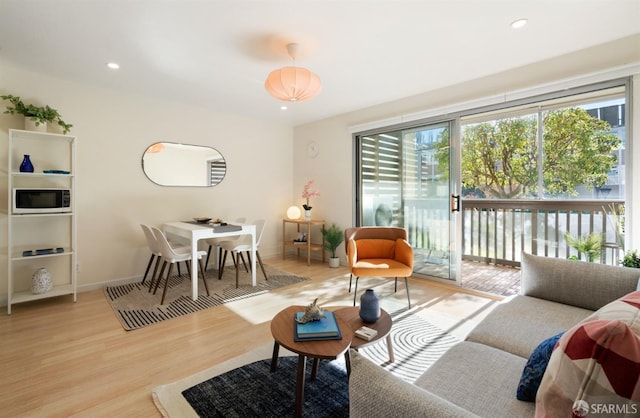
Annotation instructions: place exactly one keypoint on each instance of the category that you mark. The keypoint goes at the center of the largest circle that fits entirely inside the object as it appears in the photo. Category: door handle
(455, 203)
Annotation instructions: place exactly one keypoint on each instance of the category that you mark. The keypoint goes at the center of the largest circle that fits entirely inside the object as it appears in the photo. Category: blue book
(324, 329)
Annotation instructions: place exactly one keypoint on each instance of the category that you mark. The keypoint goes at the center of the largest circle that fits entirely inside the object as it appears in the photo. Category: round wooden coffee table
(351, 316)
(282, 331)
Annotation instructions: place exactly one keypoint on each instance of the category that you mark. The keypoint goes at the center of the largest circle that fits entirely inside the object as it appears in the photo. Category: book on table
(324, 329)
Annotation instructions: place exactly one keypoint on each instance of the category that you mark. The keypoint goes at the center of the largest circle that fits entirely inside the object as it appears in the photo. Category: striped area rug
(136, 307)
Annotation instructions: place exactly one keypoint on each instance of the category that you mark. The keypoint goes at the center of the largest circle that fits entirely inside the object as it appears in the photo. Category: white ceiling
(217, 53)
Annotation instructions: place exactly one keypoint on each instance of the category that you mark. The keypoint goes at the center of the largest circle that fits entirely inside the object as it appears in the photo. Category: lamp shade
(293, 84)
(293, 212)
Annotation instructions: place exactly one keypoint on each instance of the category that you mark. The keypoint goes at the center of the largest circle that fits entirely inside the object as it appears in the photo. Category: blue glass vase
(369, 307)
(26, 166)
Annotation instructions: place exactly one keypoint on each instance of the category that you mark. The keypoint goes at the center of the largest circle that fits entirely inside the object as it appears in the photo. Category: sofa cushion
(374, 392)
(597, 363)
(478, 378)
(518, 324)
(576, 283)
(535, 368)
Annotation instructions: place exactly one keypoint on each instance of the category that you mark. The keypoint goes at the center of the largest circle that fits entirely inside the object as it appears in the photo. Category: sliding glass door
(407, 179)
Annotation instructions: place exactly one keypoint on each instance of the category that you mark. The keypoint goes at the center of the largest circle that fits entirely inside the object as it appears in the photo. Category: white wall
(333, 168)
(114, 196)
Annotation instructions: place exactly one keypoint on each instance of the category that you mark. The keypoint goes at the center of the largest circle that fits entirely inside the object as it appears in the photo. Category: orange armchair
(378, 252)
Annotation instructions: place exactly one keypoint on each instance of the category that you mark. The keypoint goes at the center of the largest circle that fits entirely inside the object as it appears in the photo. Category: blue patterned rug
(253, 391)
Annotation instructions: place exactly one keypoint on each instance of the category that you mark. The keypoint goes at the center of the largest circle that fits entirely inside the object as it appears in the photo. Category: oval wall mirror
(173, 164)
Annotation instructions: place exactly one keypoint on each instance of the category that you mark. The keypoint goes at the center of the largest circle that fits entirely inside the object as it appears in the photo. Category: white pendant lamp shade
(293, 84)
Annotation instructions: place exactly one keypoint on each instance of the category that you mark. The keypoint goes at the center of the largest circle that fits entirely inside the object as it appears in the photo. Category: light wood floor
(62, 359)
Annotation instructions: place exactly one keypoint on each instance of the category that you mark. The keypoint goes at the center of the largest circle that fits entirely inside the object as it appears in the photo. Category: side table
(282, 331)
(351, 316)
(309, 246)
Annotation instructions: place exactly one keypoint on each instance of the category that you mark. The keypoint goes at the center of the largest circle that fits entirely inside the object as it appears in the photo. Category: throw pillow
(596, 364)
(535, 368)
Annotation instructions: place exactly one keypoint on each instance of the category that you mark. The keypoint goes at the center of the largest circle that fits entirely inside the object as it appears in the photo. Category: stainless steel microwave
(41, 200)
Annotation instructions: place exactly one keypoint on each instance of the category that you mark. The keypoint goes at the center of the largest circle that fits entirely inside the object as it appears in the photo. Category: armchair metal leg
(350, 278)
(395, 285)
(406, 285)
(355, 291)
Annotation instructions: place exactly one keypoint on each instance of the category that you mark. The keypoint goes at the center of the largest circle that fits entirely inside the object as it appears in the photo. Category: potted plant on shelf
(38, 115)
(332, 238)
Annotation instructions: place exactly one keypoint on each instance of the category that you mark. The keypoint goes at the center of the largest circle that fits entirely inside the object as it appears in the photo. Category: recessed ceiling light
(517, 24)
(283, 107)
(113, 65)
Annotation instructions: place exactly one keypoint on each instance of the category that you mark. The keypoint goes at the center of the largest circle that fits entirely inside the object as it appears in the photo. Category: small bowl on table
(202, 220)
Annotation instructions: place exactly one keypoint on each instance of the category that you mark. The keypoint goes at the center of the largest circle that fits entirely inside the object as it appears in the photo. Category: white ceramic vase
(334, 262)
(307, 215)
(41, 281)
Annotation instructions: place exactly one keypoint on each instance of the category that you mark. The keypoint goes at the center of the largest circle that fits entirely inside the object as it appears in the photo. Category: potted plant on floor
(589, 245)
(38, 115)
(332, 238)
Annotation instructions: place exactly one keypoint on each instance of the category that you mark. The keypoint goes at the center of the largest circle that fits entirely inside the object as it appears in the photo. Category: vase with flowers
(307, 194)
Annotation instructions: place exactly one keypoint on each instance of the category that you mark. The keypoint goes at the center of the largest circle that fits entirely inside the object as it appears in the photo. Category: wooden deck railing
(497, 231)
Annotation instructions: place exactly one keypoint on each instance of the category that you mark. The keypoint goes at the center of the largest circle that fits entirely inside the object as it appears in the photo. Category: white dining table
(196, 232)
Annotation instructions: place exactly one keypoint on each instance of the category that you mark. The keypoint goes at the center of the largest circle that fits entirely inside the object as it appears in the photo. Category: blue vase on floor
(369, 307)
(26, 166)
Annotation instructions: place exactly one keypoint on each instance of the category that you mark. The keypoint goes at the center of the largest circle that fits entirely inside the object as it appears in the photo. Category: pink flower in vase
(307, 194)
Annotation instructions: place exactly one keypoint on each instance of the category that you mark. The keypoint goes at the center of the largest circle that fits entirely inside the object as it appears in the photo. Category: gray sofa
(479, 376)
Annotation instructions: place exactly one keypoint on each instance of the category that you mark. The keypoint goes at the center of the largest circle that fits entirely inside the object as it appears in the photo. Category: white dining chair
(171, 257)
(155, 252)
(242, 245)
(215, 242)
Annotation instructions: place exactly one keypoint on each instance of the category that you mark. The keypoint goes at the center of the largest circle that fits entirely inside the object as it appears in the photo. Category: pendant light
(293, 84)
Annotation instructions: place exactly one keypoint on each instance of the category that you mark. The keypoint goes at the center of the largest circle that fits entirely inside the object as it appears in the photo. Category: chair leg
(221, 269)
(204, 277)
(206, 263)
(166, 284)
(350, 278)
(406, 285)
(155, 273)
(355, 291)
(236, 261)
(244, 262)
(395, 285)
(261, 265)
(179, 272)
(159, 278)
(148, 267)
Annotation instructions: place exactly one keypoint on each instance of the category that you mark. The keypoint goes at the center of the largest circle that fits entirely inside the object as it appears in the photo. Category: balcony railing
(497, 231)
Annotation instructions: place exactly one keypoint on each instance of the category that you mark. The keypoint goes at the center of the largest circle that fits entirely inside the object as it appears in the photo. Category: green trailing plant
(589, 245)
(631, 259)
(39, 114)
(332, 238)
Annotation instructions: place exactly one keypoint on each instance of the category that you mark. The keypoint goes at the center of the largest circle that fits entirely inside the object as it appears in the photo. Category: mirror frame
(215, 173)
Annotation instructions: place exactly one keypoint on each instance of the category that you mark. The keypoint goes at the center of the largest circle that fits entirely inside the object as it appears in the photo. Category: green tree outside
(500, 158)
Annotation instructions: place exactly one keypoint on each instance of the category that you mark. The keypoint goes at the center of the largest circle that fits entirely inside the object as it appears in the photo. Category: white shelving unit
(34, 231)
